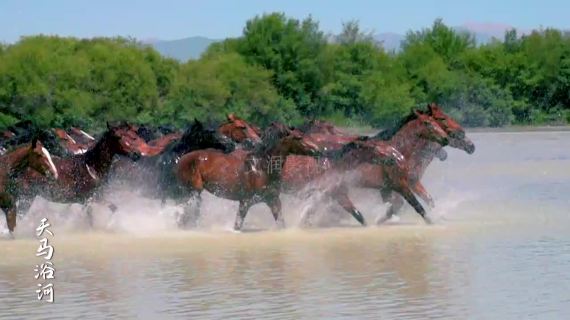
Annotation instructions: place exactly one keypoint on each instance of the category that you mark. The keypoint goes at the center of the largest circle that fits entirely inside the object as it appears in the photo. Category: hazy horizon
(147, 20)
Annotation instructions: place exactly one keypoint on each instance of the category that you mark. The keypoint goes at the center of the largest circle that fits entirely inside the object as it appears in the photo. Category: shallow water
(500, 250)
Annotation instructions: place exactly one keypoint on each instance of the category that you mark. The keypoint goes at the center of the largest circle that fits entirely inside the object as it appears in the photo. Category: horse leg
(242, 212)
(396, 203)
(89, 212)
(420, 190)
(274, 204)
(413, 201)
(307, 215)
(344, 201)
(191, 216)
(9, 208)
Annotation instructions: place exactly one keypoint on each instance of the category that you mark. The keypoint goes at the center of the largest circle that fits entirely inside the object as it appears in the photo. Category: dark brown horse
(421, 152)
(247, 177)
(81, 176)
(153, 173)
(239, 130)
(386, 177)
(12, 165)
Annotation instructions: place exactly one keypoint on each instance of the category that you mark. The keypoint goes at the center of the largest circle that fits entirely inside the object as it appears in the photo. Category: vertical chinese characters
(46, 270)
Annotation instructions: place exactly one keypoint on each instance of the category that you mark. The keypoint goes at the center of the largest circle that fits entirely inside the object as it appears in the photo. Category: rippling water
(500, 250)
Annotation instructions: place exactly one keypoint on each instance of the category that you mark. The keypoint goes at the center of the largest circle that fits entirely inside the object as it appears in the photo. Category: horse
(239, 130)
(154, 170)
(327, 174)
(249, 177)
(420, 155)
(82, 175)
(12, 165)
(386, 177)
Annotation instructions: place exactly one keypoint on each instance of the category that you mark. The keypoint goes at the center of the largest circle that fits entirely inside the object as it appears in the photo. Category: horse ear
(418, 112)
(108, 126)
(34, 142)
(231, 117)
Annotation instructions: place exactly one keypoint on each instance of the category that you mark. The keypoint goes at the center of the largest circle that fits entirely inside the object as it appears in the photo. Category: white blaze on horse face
(71, 139)
(87, 135)
(52, 166)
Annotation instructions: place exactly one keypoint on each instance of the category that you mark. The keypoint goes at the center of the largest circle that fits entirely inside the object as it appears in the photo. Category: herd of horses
(234, 160)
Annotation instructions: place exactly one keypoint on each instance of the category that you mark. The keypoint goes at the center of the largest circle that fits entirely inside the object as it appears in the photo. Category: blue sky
(219, 19)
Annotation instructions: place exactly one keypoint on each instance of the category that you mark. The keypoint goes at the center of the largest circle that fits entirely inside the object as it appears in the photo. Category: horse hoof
(382, 220)
(428, 220)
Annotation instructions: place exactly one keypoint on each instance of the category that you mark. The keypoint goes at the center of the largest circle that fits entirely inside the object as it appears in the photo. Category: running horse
(12, 165)
(155, 169)
(387, 177)
(244, 176)
(420, 153)
(81, 176)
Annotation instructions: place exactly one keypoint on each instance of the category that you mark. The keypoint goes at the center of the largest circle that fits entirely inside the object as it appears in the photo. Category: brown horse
(240, 131)
(422, 153)
(386, 177)
(247, 177)
(12, 165)
(328, 174)
(81, 176)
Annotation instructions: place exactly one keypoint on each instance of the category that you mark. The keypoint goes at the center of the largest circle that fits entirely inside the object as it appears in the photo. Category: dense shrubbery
(289, 70)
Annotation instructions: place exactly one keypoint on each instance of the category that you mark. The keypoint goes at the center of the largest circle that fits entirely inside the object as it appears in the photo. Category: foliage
(288, 70)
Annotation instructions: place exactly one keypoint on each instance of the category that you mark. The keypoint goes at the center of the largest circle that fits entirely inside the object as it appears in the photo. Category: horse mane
(270, 137)
(387, 134)
(339, 153)
(193, 136)
(50, 142)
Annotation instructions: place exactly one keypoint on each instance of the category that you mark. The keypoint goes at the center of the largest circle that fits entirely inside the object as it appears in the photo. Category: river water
(500, 249)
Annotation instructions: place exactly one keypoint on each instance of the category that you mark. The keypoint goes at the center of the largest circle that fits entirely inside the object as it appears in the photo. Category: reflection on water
(501, 250)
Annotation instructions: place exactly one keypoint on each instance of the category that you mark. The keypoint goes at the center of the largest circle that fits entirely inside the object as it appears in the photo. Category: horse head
(122, 139)
(456, 133)
(239, 130)
(38, 158)
(199, 137)
(429, 129)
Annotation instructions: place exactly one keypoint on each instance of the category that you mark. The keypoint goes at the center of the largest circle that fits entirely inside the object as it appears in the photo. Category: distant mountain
(183, 49)
(193, 47)
(390, 41)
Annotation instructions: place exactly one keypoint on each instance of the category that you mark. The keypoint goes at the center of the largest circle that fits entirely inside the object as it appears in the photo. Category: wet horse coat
(247, 177)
